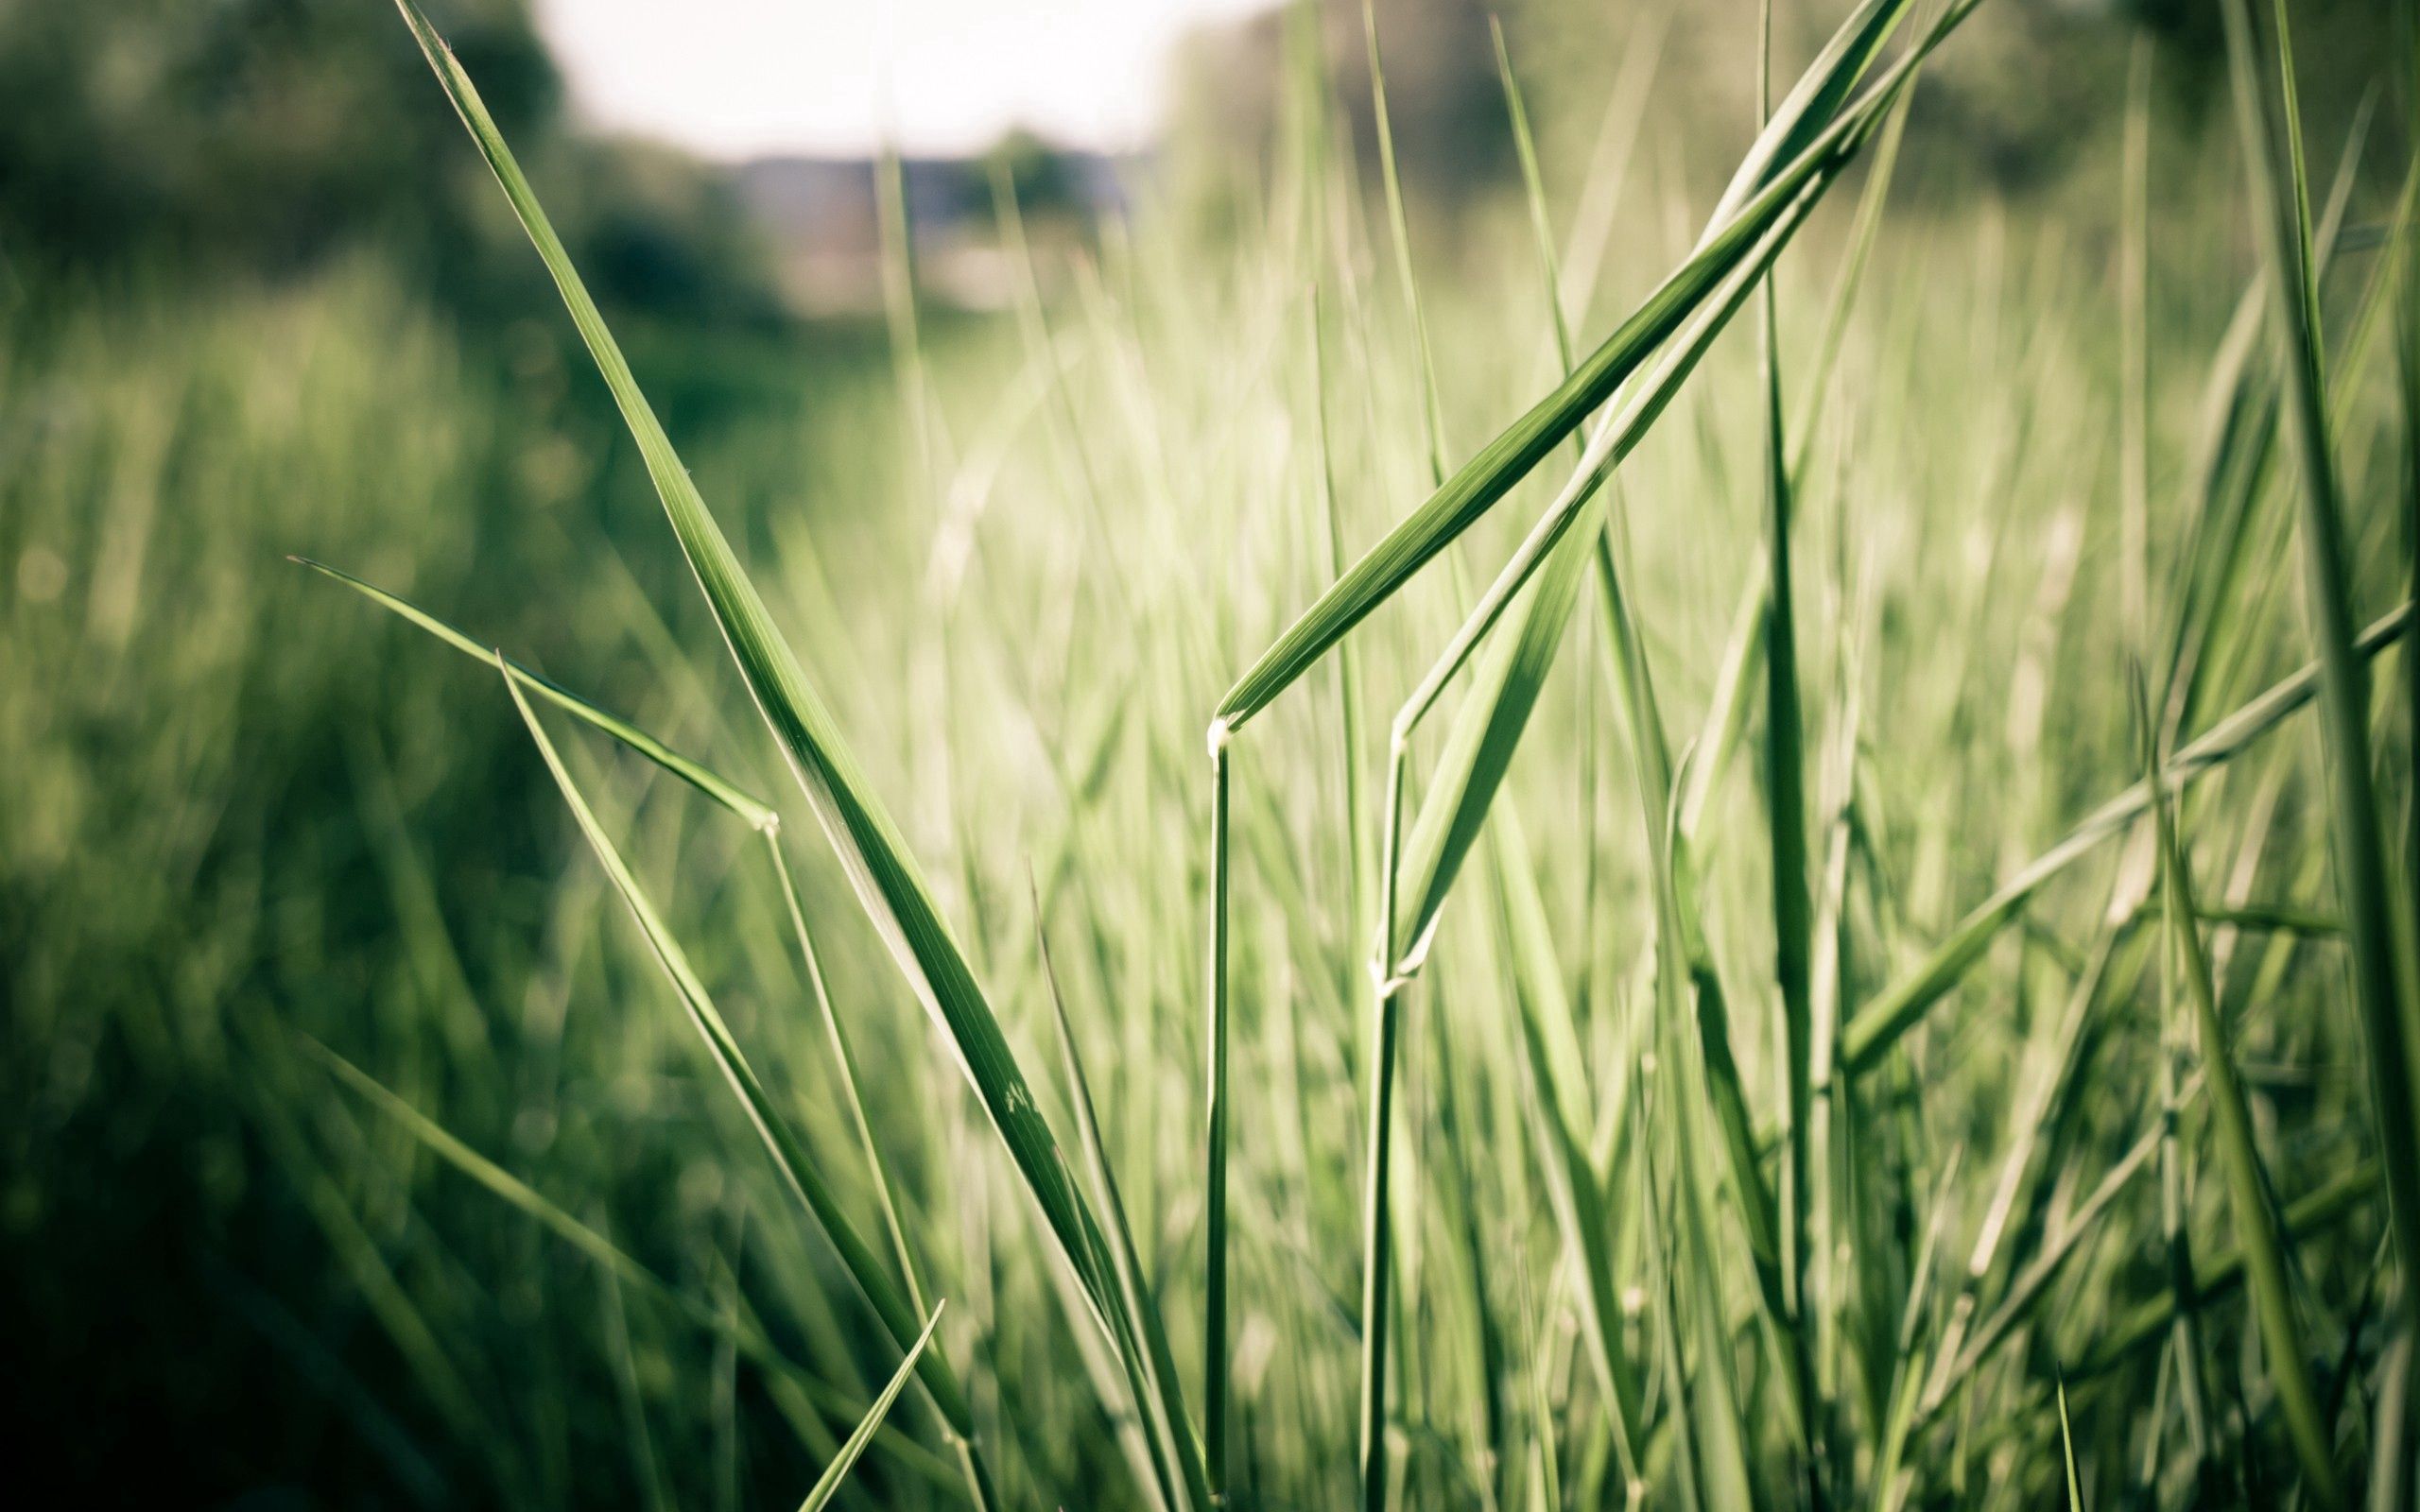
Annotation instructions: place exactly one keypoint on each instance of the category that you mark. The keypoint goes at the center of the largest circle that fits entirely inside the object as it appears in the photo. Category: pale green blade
(790, 1154)
(756, 813)
(827, 1485)
(887, 878)
(1486, 477)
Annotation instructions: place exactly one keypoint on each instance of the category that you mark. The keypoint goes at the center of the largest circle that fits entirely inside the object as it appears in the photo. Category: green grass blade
(1149, 1363)
(1215, 1358)
(827, 1485)
(1480, 482)
(2068, 1450)
(1432, 414)
(790, 1156)
(1785, 779)
(1488, 726)
(845, 1058)
(887, 878)
(754, 811)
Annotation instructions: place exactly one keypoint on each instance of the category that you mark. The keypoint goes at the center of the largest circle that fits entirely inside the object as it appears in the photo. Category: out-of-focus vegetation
(289, 903)
(261, 139)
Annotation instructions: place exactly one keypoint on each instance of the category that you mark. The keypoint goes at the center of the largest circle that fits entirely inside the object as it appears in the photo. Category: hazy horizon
(747, 78)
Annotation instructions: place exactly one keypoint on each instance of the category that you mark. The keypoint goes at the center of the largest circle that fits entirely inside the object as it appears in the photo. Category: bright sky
(737, 79)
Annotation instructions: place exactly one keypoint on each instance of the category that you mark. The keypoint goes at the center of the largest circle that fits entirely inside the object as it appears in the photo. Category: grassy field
(1874, 968)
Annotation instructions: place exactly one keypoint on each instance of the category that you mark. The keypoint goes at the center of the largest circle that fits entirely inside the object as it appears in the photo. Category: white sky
(736, 78)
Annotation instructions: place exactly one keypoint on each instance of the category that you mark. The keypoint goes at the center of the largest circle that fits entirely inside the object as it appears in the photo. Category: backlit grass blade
(1472, 491)
(790, 1156)
(1214, 1339)
(827, 1485)
(1819, 93)
(753, 811)
(887, 878)
(2357, 822)
(1897, 1008)
(1488, 726)
(1432, 414)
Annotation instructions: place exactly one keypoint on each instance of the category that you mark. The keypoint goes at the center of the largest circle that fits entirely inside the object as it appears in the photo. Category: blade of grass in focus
(790, 1157)
(885, 875)
(754, 811)
(827, 1486)
(1504, 461)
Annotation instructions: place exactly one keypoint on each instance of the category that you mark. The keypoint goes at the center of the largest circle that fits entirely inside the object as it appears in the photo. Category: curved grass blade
(2357, 822)
(1504, 461)
(790, 1155)
(827, 1485)
(753, 811)
(885, 875)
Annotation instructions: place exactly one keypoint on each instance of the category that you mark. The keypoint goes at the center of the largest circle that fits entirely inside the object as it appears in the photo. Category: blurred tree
(259, 137)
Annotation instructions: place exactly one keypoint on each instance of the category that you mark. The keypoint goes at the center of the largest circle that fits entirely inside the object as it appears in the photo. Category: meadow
(1799, 889)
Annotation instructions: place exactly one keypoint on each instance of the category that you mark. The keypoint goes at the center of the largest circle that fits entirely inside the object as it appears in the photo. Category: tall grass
(1805, 1028)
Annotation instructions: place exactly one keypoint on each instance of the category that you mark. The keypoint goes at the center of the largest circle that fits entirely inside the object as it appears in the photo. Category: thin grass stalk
(844, 1055)
(1215, 1361)
(790, 1157)
(1377, 1257)
(1785, 775)
(1147, 1359)
(2068, 1450)
(1432, 414)
(827, 1485)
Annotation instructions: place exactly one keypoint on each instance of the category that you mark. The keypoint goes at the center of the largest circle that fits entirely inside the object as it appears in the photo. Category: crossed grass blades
(1731, 1345)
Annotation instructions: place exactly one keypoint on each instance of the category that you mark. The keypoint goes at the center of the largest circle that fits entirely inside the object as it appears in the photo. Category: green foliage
(480, 1111)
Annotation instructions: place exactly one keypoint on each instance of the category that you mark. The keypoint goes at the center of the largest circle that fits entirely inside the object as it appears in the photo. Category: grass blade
(753, 811)
(1480, 482)
(827, 1485)
(887, 878)
(790, 1157)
